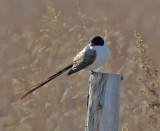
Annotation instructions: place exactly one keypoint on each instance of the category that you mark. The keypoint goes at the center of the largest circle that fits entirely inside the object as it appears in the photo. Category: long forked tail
(35, 87)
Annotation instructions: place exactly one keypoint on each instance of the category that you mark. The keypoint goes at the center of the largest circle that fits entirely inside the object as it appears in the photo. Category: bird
(92, 57)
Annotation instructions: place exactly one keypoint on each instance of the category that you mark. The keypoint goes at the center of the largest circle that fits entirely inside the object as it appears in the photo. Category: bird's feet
(92, 72)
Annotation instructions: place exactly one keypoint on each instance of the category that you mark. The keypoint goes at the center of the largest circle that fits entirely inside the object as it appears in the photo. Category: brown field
(38, 38)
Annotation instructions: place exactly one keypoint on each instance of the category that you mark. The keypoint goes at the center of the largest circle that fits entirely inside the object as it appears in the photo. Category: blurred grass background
(38, 38)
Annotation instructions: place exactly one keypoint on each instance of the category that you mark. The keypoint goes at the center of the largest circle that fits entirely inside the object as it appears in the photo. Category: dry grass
(44, 40)
(150, 83)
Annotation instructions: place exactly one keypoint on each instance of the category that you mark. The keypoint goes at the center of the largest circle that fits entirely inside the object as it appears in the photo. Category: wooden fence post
(103, 102)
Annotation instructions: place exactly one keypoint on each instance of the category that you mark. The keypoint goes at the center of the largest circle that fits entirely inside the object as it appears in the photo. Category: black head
(97, 41)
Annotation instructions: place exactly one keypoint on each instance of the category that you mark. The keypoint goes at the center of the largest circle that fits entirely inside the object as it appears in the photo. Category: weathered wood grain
(103, 102)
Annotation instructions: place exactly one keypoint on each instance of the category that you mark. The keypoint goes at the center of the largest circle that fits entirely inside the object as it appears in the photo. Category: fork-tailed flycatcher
(93, 56)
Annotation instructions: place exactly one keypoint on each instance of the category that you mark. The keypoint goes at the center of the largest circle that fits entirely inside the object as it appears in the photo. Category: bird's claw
(92, 72)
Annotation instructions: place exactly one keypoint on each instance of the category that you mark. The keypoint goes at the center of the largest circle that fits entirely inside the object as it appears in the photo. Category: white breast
(102, 57)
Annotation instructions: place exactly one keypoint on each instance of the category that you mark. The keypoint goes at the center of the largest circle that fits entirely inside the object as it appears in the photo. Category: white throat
(102, 57)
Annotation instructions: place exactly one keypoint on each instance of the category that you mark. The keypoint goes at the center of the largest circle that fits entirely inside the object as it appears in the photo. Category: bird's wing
(82, 60)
